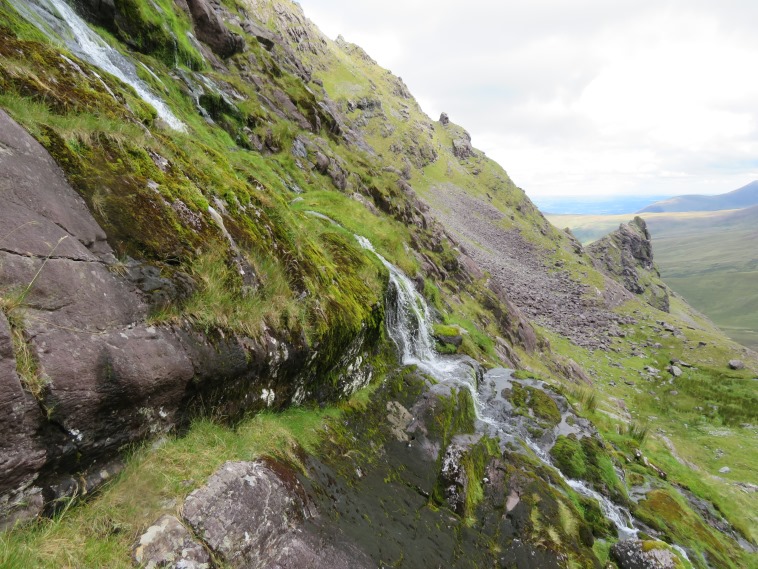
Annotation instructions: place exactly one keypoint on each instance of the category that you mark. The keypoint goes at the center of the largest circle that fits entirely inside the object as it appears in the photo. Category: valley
(708, 257)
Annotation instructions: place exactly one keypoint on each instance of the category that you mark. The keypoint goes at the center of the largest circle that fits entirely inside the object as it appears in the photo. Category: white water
(409, 325)
(55, 17)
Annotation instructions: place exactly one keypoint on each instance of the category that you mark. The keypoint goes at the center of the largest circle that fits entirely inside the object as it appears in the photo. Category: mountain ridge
(746, 196)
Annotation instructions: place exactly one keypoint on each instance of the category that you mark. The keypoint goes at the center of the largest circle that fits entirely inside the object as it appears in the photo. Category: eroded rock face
(253, 514)
(210, 29)
(106, 378)
(626, 255)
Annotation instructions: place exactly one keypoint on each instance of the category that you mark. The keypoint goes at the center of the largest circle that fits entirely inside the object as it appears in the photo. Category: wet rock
(637, 554)
(168, 544)
(453, 477)
(253, 514)
(210, 29)
(736, 364)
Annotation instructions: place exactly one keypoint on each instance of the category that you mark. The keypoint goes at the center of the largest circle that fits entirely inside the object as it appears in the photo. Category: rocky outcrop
(96, 375)
(210, 28)
(253, 515)
(626, 255)
(167, 543)
(636, 554)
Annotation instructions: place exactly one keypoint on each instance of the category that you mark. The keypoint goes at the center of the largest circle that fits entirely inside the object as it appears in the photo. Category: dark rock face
(252, 514)
(105, 377)
(626, 255)
(636, 554)
(21, 453)
(210, 29)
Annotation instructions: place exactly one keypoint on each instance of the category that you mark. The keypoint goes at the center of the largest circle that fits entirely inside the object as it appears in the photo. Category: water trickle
(409, 325)
(57, 20)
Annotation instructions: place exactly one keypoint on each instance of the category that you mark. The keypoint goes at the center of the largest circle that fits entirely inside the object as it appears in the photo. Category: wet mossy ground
(383, 492)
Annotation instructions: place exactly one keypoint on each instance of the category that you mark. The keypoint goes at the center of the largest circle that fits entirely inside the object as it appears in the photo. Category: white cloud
(580, 97)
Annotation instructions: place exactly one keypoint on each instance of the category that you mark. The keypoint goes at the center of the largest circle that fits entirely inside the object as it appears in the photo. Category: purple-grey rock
(637, 554)
(168, 544)
(736, 364)
(252, 514)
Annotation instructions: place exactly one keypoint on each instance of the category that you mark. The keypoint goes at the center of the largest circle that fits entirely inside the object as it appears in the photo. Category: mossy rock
(588, 459)
(535, 402)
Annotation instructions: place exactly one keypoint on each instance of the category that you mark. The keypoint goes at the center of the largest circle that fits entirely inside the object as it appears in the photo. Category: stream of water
(57, 20)
(409, 325)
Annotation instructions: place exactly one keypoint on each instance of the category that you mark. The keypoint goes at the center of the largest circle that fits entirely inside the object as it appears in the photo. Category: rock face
(253, 514)
(626, 255)
(636, 554)
(211, 30)
(103, 377)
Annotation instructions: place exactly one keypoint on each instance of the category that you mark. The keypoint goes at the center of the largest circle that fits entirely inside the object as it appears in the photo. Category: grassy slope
(707, 257)
(347, 75)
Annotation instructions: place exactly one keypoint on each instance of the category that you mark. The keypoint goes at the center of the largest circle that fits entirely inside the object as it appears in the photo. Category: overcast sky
(579, 97)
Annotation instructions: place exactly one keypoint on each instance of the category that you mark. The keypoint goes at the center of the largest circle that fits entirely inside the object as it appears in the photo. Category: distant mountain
(745, 196)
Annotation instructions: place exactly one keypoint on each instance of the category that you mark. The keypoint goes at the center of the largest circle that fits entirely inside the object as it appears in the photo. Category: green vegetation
(101, 532)
(306, 278)
(535, 402)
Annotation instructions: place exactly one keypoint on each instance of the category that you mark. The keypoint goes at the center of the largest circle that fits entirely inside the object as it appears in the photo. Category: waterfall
(57, 20)
(408, 321)
(409, 325)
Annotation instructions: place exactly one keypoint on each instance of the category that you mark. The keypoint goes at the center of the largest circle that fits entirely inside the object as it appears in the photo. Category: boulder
(736, 364)
(167, 543)
(675, 371)
(444, 119)
(637, 554)
(253, 514)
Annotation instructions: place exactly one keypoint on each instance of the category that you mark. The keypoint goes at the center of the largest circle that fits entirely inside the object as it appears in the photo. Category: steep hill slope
(181, 254)
(707, 257)
(745, 196)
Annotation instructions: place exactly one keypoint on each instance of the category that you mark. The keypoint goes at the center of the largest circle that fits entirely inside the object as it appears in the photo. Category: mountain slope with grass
(237, 257)
(706, 257)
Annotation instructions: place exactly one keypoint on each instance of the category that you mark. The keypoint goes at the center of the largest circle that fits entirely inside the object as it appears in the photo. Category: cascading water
(409, 325)
(57, 20)
(408, 320)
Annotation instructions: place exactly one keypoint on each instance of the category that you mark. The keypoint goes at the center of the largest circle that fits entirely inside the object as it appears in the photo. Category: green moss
(535, 402)
(158, 29)
(568, 456)
(666, 511)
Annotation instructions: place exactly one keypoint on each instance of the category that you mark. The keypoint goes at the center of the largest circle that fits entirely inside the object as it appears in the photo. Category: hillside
(746, 196)
(239, 261)
(706, 257)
